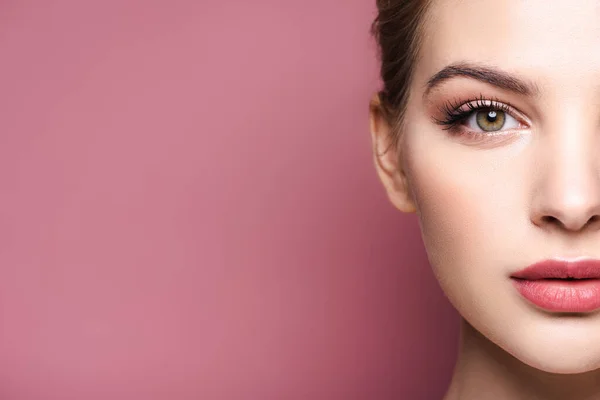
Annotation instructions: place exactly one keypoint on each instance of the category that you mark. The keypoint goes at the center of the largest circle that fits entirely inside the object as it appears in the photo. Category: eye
(490, 120)
(479, 116)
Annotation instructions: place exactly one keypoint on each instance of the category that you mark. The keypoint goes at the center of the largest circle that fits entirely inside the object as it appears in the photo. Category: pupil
(492, 116)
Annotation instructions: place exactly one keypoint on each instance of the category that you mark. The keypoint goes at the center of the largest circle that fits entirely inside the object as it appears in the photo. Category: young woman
(488, 128)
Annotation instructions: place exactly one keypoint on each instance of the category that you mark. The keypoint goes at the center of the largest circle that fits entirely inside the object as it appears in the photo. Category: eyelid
(494, 104)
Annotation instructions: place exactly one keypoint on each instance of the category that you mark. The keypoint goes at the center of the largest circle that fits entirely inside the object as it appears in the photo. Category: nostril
(573, 224)
(594, 220)
(550, 219)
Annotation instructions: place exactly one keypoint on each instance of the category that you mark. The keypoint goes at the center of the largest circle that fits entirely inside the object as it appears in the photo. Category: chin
(559, 349)
(570, 364)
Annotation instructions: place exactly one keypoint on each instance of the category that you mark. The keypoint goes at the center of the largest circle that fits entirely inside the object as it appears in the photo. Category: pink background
(189, 208)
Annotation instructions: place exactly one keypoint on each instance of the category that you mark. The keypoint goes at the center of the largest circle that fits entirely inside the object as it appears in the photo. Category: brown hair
(398, 30)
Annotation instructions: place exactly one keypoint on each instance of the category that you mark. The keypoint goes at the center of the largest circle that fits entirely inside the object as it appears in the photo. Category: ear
(388, 161)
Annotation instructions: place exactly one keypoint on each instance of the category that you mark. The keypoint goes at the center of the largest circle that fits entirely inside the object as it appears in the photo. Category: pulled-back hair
(398, 30)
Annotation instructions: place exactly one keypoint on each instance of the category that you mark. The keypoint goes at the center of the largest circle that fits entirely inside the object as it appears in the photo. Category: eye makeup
(480, 118)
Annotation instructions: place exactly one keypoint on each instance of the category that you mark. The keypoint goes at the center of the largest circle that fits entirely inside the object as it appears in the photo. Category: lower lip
(557, 295)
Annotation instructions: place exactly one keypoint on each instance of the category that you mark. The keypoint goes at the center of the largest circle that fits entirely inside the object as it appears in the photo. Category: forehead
(553, 41)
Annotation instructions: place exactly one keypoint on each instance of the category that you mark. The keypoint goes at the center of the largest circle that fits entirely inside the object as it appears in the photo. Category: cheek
(452, 215)
(467, 212)
(460, 235)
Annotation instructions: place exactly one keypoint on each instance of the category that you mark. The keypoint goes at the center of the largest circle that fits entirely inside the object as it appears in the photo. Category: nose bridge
(568, 193)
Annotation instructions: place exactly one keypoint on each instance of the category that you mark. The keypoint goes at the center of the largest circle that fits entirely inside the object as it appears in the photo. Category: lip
(561, 285)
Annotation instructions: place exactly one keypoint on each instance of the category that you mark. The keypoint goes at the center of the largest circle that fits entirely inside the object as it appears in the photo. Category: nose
(567, 193)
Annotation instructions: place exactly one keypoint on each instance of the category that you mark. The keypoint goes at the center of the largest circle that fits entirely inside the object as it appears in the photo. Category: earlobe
(388, 161)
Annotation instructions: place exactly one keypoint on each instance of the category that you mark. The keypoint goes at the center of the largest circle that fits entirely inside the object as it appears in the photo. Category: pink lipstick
(561, 285)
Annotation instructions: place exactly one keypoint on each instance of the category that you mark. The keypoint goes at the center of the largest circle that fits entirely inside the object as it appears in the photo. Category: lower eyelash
(454, 114)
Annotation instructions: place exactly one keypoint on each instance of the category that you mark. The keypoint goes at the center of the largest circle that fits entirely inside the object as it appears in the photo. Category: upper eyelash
(454, 113)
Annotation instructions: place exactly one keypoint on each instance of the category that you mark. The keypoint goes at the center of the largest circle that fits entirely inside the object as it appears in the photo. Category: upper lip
(561, 269)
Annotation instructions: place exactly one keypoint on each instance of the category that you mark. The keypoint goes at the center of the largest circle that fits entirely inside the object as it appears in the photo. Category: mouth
(561, 285)
(570, 279)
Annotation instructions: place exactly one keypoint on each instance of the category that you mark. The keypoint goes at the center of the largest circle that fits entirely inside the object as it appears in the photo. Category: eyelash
(455, 115)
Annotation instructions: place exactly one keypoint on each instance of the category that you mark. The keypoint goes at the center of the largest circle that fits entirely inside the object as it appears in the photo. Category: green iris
(491, 120)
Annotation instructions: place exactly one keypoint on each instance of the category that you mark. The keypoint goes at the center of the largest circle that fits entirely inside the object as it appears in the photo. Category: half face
(500, 157)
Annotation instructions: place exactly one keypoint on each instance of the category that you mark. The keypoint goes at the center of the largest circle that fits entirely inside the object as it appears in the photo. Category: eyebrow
(483, 73)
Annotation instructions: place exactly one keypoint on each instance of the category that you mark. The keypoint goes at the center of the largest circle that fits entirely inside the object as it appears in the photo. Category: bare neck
(484, 371)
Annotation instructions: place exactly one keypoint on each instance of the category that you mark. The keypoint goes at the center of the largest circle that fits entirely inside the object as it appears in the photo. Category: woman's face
(498, 192)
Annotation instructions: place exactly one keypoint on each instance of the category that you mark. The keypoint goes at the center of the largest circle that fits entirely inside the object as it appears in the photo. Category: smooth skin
(492, 203)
